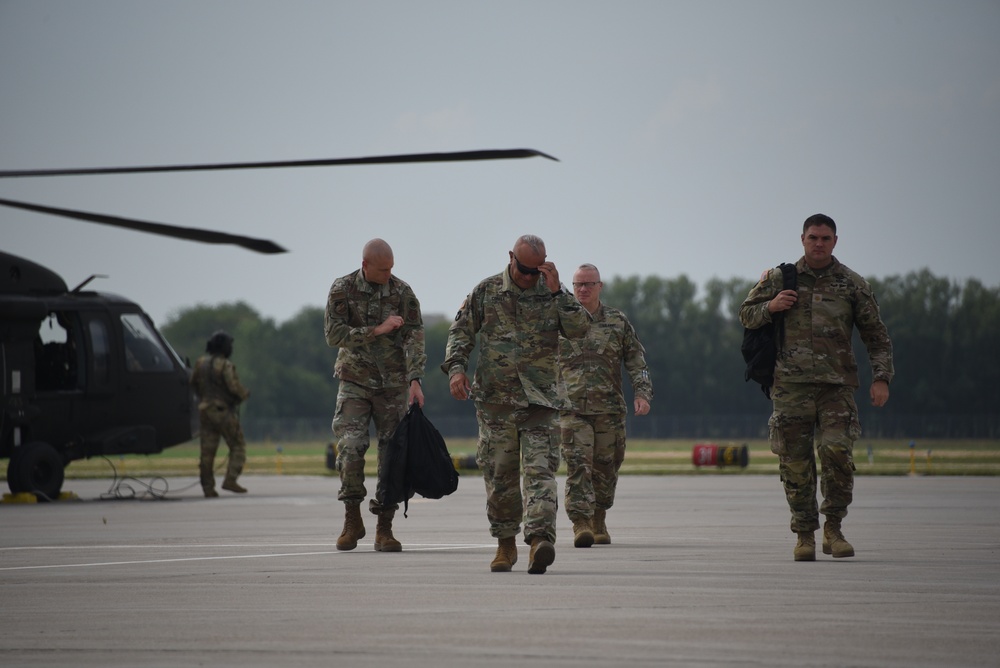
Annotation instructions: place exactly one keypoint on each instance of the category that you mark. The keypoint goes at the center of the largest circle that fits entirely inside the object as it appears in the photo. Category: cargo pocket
(555, 451)
(854, 431)
(854, 427)
(776, 435)
(484, 455)
(619, 452)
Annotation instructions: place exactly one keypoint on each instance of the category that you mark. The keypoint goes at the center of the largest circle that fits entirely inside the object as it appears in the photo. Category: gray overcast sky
(694, 138)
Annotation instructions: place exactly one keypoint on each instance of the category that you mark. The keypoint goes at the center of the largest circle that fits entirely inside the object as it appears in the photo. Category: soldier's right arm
(753, 311)
(336, 324)
(462, 336)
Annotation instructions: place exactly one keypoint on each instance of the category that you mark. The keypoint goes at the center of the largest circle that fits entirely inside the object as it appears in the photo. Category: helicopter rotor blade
(490, 154)
(189, 233)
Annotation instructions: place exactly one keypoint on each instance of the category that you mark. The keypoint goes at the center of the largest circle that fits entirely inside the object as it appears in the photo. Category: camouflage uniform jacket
(590, 369)
(518, 333)
(818, 328)
(354, 308)
(215, 382)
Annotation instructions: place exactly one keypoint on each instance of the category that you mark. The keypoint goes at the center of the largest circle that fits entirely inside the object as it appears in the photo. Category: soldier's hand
(392, 323)
(641, 406)
(416, 393)
(879, 393)
(550, 274)
(783, 301)
(459, 386)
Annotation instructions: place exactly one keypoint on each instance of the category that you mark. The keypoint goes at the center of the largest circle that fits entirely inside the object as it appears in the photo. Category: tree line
(944, 337)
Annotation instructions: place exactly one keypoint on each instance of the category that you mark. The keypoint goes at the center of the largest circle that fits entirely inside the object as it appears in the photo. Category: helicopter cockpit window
(143, 351)
(57, 354)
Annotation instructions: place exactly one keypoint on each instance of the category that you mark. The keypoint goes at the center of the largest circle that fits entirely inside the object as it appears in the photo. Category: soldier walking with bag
(815, 378)
(374, 319)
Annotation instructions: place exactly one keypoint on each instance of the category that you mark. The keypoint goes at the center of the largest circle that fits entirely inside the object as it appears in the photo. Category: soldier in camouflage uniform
(517, 319)
(593, 432)
(374, 319)
(815, 378)
(220, 393)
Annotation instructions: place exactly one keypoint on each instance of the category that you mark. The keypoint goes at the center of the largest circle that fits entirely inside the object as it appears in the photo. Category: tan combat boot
(506, 555)
(601, 535)
(834, 542)
(542, 554)
(805, 547)
(583, 534)
(384, 540)
(233, 486)
(354, 528)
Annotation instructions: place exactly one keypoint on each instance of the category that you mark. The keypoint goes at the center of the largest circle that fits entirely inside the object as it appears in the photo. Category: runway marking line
(419, 547)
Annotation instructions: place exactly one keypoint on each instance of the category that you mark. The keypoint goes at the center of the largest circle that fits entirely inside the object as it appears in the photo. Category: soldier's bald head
(377, 262)
(376, 249)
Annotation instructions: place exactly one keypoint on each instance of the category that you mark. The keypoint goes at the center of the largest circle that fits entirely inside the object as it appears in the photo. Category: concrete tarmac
(699, 573)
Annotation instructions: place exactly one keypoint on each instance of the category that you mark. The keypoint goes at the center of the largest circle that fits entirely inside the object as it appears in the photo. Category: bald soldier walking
(517, 317)
(815, 378)
(374, 319)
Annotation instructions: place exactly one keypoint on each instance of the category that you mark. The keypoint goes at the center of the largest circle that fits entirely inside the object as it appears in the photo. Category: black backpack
(417, 462)
(760, 346)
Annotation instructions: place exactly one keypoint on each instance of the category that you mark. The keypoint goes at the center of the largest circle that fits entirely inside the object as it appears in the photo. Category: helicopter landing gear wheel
(36, 468)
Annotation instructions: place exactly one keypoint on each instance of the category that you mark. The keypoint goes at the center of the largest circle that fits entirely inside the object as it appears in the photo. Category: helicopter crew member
(220, 393)
(374, 319)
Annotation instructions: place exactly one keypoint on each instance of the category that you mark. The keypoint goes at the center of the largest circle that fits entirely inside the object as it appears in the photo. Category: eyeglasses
(530, 271)
(587, 284)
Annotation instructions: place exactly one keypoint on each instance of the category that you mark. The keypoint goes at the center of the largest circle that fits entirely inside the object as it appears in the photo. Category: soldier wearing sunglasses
(517, 316)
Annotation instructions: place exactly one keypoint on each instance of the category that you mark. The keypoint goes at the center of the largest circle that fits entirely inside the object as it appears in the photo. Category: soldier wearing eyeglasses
(518, 316)
(593, 431)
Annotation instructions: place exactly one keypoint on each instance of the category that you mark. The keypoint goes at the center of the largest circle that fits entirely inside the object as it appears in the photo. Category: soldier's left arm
(634, 359)
(874, 333)
(573, 319)
(413, 337)
(232, 380)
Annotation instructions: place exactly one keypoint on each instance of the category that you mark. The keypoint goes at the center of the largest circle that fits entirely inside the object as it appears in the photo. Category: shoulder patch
(412, 310)
(764, 275)
(460, 309)
(340, 307)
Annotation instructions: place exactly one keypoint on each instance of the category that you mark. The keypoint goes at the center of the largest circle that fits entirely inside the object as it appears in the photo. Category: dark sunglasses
(524, 270)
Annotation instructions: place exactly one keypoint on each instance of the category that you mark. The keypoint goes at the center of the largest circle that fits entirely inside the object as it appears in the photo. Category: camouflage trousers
(593, 447)
(220, 422)
(357, 407)
(811, 419)
(513, 440)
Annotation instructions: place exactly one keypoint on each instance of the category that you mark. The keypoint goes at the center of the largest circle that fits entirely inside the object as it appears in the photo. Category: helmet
(221, 343)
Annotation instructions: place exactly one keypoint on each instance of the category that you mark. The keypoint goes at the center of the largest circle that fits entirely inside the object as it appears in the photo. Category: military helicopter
(87, 373)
